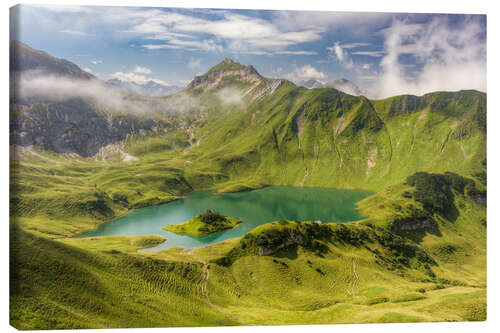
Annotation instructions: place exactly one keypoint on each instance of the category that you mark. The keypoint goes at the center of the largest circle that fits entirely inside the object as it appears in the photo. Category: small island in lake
(204, 224)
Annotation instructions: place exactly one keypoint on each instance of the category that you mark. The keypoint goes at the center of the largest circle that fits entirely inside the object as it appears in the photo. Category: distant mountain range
(344, 85)
(150, 88)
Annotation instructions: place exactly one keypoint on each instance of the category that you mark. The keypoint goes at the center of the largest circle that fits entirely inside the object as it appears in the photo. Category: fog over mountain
(149, 88)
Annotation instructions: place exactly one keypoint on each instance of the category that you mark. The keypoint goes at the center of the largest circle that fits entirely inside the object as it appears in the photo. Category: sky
(385, 53)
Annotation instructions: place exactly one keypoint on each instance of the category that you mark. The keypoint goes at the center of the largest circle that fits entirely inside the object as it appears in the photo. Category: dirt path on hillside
(204, 291)
(355, 278)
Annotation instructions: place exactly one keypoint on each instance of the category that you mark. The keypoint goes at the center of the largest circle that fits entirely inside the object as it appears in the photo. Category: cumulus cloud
(142, 70)
(305, 73)
(447, 57)
(183, 29)
(87, 70)
(342, 56)
(96, 62)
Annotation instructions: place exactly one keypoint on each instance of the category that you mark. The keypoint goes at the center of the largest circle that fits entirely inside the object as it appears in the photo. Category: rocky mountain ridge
(229, 73)
(74, 125)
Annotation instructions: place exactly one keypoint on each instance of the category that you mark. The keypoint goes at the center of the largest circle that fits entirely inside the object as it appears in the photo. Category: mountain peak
(226, 70)
(229, 61)
(227, 65)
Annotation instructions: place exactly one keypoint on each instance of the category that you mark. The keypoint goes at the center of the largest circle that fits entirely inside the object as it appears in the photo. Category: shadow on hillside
(418, 234)
(290, 252)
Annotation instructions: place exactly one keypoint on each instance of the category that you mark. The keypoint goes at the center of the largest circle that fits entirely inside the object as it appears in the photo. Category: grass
(115, 243)
(283, 272)
(62, 286)
(198, 226)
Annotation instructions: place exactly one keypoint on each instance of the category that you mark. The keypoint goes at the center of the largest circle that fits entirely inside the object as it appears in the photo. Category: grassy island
(204, 224)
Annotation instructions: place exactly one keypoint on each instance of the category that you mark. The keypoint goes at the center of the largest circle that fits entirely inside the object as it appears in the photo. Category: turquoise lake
(253, 207)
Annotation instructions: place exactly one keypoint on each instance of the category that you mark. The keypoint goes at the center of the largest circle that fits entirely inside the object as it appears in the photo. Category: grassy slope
(60, 286)
(322, 137)
(355, 272)
(296, 136)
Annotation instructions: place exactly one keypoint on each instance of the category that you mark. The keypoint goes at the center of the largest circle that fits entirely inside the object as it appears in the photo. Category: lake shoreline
(255, 207)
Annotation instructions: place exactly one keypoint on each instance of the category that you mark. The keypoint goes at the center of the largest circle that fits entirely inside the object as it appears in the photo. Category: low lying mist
(38, 86)
(230, 96)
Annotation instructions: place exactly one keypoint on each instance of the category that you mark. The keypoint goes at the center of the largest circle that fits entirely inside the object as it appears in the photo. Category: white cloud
(354, 23)
(239, 33)
(59, 88)
(447, 58)
(230, 96)
(75, 32)
(342, 56)
(142, 70)
(304, 73)
(135, 78)
(188, 45)
(354, 45)
(296, 52)
(96, 62)
(282, 32)
(366, 66)
(370, 53)
(157, 47)
(87, 70)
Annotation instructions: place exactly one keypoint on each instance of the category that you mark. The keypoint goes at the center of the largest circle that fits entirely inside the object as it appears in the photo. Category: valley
(414, 250)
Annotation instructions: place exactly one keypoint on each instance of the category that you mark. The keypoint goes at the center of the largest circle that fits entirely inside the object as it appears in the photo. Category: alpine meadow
(215, 168)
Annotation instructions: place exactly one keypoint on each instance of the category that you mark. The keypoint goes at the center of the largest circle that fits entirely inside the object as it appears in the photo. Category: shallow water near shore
(253, 207)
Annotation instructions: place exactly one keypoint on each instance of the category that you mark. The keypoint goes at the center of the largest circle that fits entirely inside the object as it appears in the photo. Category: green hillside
(419, 255)
(283, 272)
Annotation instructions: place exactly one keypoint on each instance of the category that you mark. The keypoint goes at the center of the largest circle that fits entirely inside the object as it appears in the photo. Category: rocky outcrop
(290, 240)
(228, 72)
(215, 79)
(412, 225)
(72, 126)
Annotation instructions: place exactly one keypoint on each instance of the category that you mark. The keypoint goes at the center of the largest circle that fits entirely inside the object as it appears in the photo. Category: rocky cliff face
(74, 125)
(70, 127)
(226, 71)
